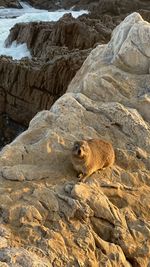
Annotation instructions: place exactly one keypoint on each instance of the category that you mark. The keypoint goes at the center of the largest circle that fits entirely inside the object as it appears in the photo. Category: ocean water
(10, 16)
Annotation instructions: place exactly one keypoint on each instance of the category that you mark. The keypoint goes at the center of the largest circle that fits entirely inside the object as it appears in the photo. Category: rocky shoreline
(49, 218)
(87, 78)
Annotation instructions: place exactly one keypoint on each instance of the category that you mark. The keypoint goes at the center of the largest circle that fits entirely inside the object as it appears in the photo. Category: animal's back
(102, 153)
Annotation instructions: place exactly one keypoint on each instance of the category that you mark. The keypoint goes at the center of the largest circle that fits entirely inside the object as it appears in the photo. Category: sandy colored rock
(46, 214)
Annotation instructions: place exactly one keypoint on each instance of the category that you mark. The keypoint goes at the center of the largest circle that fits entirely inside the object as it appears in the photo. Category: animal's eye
(76, 146)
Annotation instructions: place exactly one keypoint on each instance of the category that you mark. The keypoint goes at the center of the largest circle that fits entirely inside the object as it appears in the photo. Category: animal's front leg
(82, 177)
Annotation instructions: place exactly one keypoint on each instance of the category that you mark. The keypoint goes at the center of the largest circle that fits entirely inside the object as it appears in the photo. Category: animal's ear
(84, 144)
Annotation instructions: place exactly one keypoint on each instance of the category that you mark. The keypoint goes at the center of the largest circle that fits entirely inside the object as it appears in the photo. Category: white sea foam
(26, 14)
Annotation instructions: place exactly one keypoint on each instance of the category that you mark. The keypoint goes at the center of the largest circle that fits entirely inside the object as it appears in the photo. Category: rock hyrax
(91, 155)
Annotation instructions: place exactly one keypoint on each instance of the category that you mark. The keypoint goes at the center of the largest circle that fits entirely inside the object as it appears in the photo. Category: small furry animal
(91, 155)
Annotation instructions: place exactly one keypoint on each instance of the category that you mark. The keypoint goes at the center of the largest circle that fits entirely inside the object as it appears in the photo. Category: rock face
(10, 4)
(34, 85)
(45, 4)
(117, 7)
(48, 218)
(68, 32)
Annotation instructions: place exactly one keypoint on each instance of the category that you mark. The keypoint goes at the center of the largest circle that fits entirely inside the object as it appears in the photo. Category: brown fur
(91, 155)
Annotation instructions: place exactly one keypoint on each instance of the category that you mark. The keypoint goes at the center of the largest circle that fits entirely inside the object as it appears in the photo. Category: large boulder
(46, 214)
(127, 53)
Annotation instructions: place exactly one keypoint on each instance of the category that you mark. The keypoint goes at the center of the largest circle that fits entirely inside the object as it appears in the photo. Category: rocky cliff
(48, 218)
(28, 86)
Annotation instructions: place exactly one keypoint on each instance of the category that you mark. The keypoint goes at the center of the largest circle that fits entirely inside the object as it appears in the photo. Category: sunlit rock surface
(47, 216)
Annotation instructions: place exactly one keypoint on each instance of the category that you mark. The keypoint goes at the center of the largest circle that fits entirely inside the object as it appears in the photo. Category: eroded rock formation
(50, 219)
(82, 33)
(34, 85)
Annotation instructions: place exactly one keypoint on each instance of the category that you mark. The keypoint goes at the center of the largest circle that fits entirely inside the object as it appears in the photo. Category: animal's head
(80, 149)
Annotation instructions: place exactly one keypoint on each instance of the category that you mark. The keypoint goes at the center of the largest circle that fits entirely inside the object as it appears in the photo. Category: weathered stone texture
(47, 216)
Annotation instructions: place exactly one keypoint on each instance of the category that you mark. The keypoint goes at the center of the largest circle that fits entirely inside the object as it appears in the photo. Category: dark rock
(30, 86)
(97, 7)
(67, 32)
(10, 3)
(9, 129)
(45, 4)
